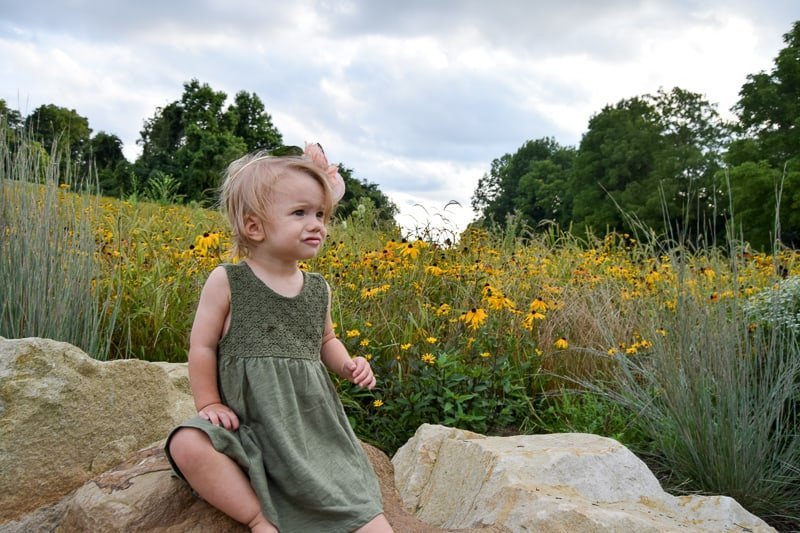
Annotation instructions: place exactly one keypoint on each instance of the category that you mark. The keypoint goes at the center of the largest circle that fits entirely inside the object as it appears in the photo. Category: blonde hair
(247, 190)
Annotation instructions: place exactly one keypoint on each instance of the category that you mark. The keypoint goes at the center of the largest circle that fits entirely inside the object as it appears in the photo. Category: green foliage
(657, 157)
(759, 192)
(358, 193)
(10, 118)
(769, 106)
(162, 189)
(195, 138)
(530, 182)
(485, 396)
(768, 148)
(114, 172)
(777, 306)
(571, 411)
(50, 283)
(62, 130)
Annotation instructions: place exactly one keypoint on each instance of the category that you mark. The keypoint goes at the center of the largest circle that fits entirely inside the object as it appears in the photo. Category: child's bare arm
(209, 321)
(335, 357)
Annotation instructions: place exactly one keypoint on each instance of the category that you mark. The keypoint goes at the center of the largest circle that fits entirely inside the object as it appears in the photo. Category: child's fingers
(219, 417)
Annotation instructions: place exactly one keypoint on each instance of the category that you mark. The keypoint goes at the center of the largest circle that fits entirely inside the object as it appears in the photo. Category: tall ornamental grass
(50, 282)
(717, 395)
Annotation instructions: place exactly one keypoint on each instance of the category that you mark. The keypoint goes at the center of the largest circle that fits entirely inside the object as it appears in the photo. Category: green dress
(294, 441)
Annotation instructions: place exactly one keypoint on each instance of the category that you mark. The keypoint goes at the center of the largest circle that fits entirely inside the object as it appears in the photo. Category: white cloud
(418, 96)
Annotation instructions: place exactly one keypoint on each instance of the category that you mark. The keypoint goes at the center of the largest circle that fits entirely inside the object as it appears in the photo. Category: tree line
(667, 161)
(185, 147)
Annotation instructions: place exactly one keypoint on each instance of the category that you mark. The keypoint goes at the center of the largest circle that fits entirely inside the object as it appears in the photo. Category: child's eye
(299, 212)
(320, 214)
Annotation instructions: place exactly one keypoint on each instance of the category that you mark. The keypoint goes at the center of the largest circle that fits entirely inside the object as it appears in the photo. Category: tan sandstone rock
(142, 495)
(559, 482)
(65, 417)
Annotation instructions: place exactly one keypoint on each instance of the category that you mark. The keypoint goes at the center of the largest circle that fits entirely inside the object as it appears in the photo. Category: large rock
(141, 495)
(65, 417)
(560, 482)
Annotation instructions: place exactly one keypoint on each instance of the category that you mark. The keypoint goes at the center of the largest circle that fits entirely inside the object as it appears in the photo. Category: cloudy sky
(417, 96)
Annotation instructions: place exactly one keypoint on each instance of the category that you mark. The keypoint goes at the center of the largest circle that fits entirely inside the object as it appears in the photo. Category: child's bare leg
(379, 524)
(217, 478)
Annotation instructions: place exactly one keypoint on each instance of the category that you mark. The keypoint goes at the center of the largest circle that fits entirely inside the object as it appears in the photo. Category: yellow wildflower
(434, 270)
(538, 306)
(530, 319)
(474, 318)
(485, 354)
(431, 340)
(405, 347)
(561, 344)
(428, 359)
(443, 310)
(364, 342)
(352, 333)
(377, 403)
(410, 251)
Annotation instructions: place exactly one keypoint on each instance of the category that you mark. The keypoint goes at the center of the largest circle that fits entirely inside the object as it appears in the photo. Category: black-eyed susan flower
(530, 319)
(538, 306)
(428, 359)
(561, 344)
(434, 270)
(443, 310)
(474, 318)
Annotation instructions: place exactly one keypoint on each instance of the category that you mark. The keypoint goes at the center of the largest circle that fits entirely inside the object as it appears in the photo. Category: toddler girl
(270, 445)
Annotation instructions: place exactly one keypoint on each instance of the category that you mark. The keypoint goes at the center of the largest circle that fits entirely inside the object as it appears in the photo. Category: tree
(769, 107)
(195, 138)
(113, 170)
(657, 157)
(248, 120)
(530, 183)
(765, 158)
(60, 128)
(355, 190)
(10, 118)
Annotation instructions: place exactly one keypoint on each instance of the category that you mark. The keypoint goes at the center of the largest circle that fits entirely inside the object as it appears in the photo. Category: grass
(50, 282)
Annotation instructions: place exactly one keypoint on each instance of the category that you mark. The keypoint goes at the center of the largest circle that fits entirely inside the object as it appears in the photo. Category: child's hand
(220, 415)
(358, 371)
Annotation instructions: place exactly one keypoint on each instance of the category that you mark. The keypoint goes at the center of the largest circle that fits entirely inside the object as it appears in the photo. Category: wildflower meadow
(688, 355)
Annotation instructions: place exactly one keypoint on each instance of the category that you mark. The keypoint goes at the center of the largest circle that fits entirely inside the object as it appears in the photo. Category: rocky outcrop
(65, 417)
(559, 482)
(80, 451)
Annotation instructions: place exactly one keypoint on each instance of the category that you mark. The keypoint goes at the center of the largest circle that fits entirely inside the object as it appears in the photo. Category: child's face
(295, 229)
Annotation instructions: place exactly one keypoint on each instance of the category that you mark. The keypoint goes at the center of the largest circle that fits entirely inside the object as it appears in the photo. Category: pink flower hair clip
(315, 152)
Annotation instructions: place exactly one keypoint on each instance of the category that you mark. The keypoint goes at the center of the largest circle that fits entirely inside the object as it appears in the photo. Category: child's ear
(254, 229)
